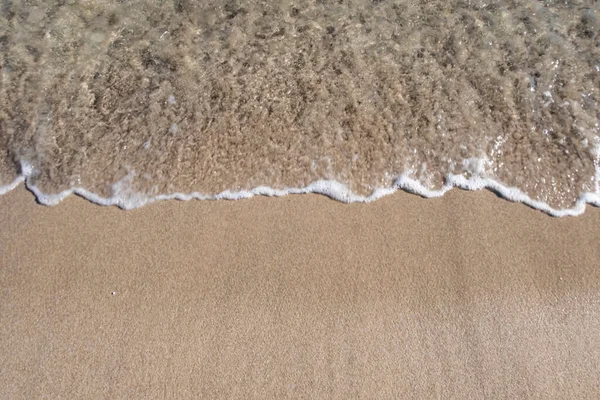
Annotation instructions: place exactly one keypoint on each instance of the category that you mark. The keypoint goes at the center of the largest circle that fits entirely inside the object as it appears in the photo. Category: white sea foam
(123, 197)
(7, 188)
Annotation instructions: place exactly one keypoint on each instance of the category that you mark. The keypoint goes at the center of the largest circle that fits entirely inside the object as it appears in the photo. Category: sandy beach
(467, 296)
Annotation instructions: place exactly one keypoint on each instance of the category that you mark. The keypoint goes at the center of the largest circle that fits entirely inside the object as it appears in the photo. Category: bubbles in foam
(123, 196)
(351, 100)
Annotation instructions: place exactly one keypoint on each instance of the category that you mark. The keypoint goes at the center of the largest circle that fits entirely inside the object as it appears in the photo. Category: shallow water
(143, 98)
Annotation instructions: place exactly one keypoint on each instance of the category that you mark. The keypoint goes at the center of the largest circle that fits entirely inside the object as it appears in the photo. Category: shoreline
(332, 189)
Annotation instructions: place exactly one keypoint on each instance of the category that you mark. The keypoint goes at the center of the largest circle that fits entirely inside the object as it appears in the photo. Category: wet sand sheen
(205, 97)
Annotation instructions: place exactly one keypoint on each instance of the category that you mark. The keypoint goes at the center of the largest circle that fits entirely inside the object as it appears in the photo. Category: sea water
(127, 102)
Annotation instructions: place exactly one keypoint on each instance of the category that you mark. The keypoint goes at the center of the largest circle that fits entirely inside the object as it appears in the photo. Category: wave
(123, 197)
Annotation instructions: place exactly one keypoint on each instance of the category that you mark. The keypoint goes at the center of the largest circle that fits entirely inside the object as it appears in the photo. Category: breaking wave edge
(126, 199)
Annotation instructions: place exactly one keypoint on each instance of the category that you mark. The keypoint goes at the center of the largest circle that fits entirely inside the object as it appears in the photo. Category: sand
(208, 96)
(467, 296)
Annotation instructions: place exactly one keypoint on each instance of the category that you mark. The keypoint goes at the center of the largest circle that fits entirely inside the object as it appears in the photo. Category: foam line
(7, 188)
(125, 199)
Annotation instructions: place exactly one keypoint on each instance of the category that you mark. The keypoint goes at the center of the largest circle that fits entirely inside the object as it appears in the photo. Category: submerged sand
(186, 96)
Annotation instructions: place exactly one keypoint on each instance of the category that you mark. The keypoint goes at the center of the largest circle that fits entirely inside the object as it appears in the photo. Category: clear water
(130, 101)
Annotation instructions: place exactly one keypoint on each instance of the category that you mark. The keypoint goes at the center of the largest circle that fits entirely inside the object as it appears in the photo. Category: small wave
(124, 198)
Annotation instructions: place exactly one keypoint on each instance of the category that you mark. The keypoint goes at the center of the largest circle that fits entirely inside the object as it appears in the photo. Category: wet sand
(298, 297)
(147, 97)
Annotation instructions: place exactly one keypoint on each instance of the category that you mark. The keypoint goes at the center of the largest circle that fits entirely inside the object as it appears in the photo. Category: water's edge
(127, 200)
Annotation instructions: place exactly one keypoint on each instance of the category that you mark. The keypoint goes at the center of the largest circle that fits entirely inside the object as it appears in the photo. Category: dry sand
(468, 296)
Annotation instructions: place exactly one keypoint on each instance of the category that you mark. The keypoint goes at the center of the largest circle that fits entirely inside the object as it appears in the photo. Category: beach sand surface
(467, 296)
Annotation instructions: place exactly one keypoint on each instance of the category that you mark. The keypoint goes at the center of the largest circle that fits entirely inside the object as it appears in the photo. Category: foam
(123, 197)
(7, 188)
